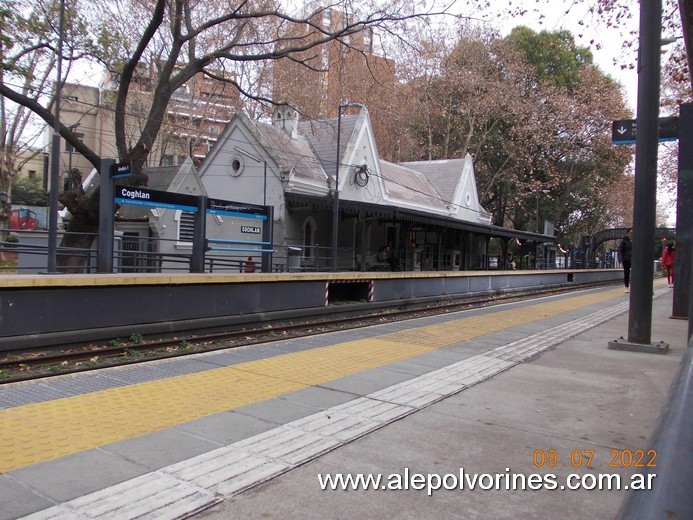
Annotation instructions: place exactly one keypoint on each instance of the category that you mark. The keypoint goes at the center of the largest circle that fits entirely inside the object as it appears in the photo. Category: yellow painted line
(141, 279)
(39, 432)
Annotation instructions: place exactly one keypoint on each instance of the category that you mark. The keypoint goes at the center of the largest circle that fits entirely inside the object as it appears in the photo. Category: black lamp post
(335, 203)
(55, 158)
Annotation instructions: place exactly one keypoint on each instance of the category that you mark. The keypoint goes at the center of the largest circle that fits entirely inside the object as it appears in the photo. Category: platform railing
(670, 496)
(142, 254)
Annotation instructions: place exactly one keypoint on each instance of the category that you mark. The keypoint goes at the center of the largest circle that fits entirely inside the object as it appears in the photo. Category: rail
(673, 442)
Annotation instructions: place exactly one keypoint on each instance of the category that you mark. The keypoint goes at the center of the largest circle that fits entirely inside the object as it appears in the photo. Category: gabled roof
(455, 181)
(411, 188)
(443, 175)
(293, 155)
(322, 136)
(307, 157)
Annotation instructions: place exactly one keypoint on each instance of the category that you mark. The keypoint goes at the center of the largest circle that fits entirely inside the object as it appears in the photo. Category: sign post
(104, 258)
(624, 131)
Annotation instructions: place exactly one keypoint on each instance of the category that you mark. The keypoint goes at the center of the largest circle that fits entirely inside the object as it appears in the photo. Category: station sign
(123, 169)
(155, 198)
(236, 209)
(624, 131)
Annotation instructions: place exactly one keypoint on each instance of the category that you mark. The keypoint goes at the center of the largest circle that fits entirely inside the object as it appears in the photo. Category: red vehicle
(23, 219)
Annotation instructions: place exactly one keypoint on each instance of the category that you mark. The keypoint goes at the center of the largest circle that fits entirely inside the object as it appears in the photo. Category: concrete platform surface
(492, 413)
(576, 401)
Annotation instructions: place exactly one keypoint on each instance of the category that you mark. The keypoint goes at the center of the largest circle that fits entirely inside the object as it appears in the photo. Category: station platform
(485, 397)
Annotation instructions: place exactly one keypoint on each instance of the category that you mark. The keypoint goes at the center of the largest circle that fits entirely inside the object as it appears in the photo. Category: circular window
(468, 199)
(236, 166)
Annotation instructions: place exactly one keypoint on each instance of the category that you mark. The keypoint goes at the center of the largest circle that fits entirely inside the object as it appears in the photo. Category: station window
(309, 228)
(186, 227)
(236, 166)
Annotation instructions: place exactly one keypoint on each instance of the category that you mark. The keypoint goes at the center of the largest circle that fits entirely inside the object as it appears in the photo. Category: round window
(236, 166)
(468, 199)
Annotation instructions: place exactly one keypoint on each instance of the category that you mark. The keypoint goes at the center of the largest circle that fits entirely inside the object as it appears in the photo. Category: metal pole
(104, 253)
(268, 237)
(55, 158)
(335, 205)
(684, 216)
(537, 212)
(264, 190)
(197, 259)
(645, 203)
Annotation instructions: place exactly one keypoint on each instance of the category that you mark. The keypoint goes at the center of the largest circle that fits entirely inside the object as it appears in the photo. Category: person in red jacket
(668, 257)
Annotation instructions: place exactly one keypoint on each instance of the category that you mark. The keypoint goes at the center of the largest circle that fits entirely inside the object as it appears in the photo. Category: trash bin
(293, 258)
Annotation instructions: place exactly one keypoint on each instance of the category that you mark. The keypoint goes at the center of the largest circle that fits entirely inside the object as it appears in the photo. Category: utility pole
(55, 157)
(645, 203)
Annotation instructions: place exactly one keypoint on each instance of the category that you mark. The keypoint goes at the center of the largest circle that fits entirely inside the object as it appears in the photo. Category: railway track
(25, 365)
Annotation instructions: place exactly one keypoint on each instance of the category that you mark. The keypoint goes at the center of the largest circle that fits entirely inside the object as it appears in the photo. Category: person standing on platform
(668, 257)
(625, 249)
(386, 254)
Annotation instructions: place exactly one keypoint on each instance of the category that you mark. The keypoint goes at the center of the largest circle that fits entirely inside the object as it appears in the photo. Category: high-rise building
(346, 70)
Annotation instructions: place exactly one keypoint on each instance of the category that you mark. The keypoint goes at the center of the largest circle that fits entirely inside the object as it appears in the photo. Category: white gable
(360, 176)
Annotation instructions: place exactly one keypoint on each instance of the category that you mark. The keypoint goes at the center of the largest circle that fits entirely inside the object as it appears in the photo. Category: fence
(137, 254)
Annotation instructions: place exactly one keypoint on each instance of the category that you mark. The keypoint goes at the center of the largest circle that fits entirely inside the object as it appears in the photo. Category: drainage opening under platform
(337, 292)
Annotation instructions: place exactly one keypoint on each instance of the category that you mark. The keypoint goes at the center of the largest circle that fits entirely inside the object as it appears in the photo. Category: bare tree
(179, 39)
(536, 123)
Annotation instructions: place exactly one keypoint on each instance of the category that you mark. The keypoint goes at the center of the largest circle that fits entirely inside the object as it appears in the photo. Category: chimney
(286, 118)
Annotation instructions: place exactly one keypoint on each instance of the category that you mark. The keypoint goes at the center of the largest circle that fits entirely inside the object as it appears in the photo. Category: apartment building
(195, 116)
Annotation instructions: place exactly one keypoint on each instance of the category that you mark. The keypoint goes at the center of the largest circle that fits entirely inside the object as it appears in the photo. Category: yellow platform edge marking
(135, 279)
(42, 431)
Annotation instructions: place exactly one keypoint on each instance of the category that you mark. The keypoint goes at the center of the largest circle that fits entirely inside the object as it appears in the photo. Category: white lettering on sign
(250, 229)
(134, 194)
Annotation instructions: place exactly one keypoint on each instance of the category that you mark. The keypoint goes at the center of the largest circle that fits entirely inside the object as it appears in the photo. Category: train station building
(428, 213)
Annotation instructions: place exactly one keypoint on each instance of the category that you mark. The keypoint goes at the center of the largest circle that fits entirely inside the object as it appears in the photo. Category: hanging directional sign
(624, 131)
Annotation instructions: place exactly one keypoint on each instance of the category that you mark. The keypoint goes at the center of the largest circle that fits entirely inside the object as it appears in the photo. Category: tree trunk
(80, 230)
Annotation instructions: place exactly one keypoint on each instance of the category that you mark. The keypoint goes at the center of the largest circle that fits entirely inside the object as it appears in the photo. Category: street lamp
(335, 204)
(545, 192)
(55, 157)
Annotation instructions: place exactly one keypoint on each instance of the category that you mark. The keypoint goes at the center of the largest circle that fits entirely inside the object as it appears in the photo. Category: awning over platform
(364, 210)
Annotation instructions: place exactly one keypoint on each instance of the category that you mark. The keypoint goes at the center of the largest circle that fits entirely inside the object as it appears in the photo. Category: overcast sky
(605, 43)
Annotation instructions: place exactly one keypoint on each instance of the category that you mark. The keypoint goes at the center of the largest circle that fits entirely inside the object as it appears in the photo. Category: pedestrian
(386, 254)
(625, 249)
(668, 257)
(511, 260)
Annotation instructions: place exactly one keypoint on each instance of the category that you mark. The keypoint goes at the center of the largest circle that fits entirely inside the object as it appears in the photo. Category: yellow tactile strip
(42, 431)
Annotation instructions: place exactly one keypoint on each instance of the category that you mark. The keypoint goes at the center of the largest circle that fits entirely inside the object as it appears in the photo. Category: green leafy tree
(28, 191)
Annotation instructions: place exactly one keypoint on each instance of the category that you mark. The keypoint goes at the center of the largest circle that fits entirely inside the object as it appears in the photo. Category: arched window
(309, 228)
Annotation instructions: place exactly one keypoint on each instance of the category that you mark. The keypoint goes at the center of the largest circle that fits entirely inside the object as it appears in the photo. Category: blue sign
(155, 198)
